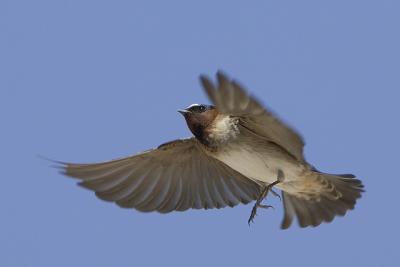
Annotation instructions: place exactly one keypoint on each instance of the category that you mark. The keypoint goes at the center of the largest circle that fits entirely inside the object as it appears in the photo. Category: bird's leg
(263, 195)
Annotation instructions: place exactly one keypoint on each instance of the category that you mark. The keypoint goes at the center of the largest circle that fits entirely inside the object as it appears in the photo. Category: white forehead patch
(193, 105)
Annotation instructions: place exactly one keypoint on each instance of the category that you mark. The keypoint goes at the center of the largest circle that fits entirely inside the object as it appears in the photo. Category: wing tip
(221, 76)
(206, 81)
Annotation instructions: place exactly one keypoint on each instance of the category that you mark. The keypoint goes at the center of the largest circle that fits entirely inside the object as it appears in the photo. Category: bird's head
(198, 117)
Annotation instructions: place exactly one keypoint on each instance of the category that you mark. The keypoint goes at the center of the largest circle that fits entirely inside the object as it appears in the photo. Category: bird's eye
(202, 108)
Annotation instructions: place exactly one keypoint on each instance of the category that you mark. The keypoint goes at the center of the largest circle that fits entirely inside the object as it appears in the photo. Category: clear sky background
(87, 81)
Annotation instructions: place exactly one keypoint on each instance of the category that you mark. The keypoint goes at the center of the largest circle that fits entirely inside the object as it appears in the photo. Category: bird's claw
(276, 194)
(258, 204)
(252, 215)
(254, 211)
(265, 206)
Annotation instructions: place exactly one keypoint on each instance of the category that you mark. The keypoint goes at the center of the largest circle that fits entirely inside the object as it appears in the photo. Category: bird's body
(238, 152)
(260, 162)
(254, 157)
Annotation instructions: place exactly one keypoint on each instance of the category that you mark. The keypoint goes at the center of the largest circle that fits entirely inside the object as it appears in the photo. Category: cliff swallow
(240, 150)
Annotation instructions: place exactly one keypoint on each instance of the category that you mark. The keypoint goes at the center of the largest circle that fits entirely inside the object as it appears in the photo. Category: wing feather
(178, 175)
(230, 98)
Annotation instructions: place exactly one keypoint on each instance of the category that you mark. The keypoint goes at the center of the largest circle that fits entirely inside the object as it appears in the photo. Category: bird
(239, 152)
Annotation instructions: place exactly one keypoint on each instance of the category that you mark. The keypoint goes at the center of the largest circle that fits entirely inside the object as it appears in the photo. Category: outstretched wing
(230, 98)
(176, 176)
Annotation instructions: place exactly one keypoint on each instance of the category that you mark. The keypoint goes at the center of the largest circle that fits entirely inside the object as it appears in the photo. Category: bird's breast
(223, 130)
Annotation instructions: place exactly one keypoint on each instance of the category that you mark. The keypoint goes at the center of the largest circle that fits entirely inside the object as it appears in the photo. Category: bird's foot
(254, 211)
(260, 198)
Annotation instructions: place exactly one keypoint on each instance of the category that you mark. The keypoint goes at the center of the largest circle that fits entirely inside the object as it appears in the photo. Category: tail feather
(340, 195)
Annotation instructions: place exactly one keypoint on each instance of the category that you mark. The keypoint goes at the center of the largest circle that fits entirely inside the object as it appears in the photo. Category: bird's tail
(326, 196)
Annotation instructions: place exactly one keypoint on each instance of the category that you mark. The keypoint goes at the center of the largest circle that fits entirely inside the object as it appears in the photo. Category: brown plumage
(239, 150)
(199, 119)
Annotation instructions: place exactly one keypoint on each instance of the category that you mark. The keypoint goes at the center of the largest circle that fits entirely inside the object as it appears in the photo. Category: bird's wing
(230, 98)
(176, 176)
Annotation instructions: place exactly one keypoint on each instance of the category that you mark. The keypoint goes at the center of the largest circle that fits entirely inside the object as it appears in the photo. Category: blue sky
(86, 81)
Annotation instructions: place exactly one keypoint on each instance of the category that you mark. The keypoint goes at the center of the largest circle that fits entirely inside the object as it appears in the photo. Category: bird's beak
(183, 111)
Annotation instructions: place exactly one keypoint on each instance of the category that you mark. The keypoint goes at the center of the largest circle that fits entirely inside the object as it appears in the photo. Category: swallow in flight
(239, 152)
